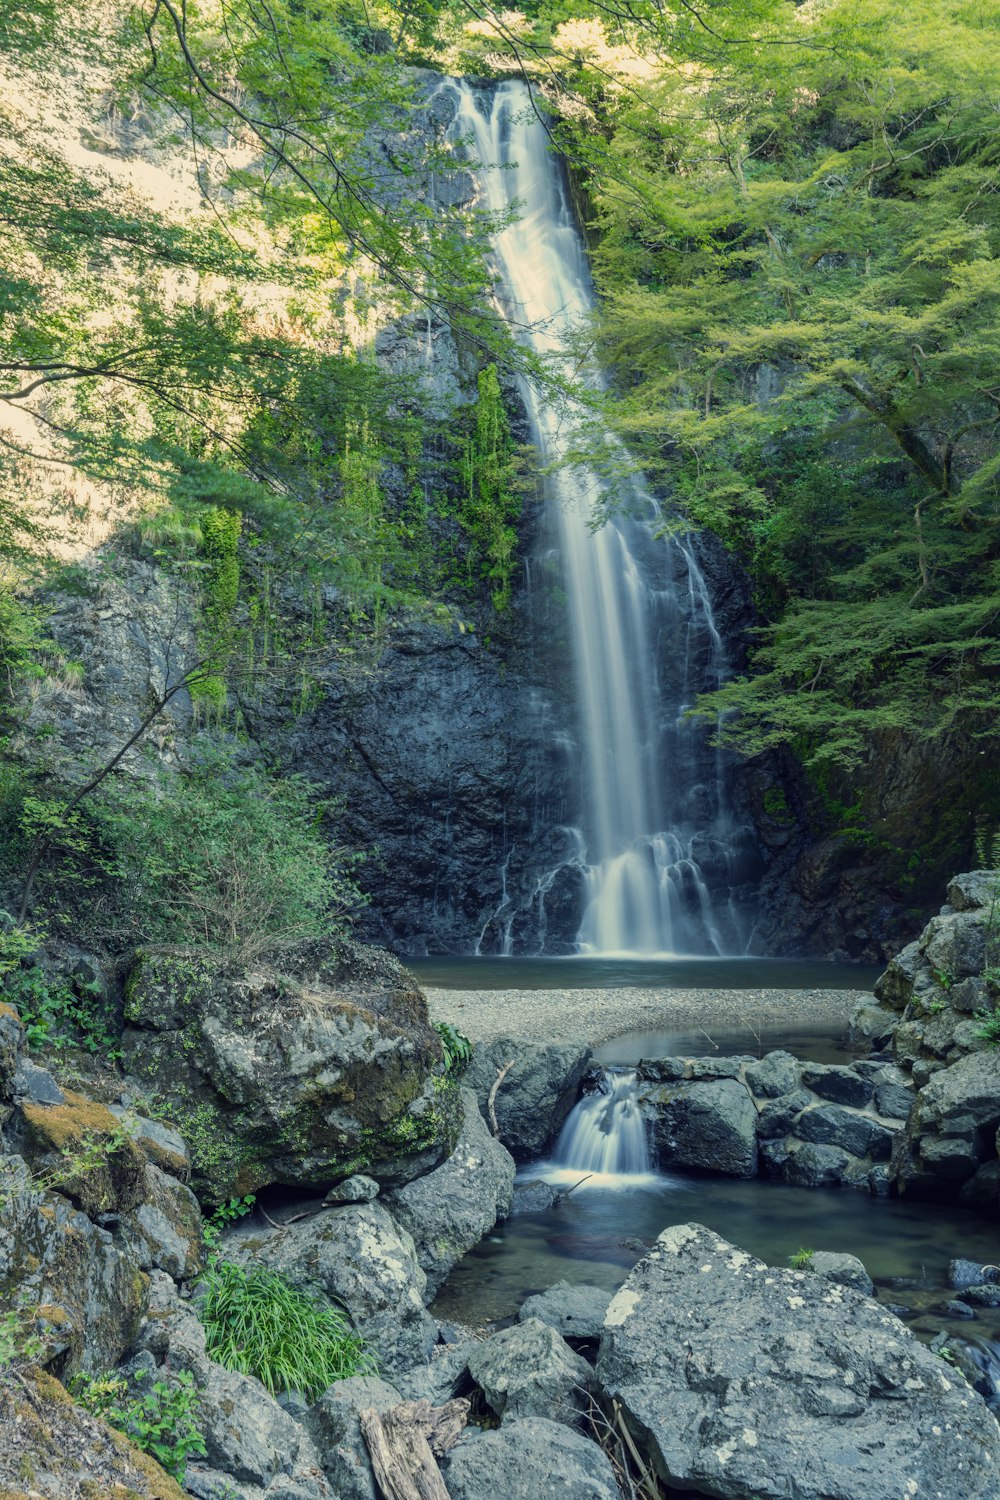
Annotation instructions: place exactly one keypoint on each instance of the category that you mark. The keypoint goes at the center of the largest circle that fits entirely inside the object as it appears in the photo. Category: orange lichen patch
(8, 1010)
(161, 1156)
(51, 1312)
(64, 1126)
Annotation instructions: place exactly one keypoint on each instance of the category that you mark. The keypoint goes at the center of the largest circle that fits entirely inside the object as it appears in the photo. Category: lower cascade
(606, 1133)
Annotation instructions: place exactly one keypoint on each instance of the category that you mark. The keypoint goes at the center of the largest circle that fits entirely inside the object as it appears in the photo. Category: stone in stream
(845, 1270)
(537, 1093)
(775, 1074)
(527, 1459)
(529, 1371)
(575, 1311)
(450, 1209)
(711, 1126)
(741, 1381)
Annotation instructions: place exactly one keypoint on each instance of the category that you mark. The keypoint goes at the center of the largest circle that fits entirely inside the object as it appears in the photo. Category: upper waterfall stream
(660, 847)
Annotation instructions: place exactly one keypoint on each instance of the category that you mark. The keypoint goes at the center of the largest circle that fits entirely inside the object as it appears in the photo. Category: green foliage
(161, 1420)
(801, 1259)
(456, 1047)
(259, 1324)
(490, 501)
(220, 1218)
(59, 1013)
(18, 1344)
(230, 859)
(988, 1029)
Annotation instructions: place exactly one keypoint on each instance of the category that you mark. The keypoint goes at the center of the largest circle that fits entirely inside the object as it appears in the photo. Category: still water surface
(466, 973)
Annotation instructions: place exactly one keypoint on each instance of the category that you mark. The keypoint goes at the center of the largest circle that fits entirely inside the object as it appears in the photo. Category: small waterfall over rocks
(606, 1134)
(658, 845)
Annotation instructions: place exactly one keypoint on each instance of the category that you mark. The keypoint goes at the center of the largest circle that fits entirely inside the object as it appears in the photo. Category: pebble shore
(599, 1015)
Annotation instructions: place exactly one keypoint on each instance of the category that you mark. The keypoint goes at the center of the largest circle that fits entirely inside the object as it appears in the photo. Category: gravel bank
(599, 1015)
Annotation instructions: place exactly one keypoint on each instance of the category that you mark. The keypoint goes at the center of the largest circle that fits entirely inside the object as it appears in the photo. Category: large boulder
(361, 1260)
(299, 1079)
(450, 1209)
(711, 1126)
(537, 1093)
(530, 1371)
(741, 1380)
(526, 1459)
(952, 1128)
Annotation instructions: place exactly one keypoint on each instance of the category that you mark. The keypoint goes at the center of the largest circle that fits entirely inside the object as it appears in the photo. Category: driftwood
(403, 1442)
(491, 1103)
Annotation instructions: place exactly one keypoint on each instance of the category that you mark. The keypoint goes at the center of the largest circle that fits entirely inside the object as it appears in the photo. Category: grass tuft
(259, 1324)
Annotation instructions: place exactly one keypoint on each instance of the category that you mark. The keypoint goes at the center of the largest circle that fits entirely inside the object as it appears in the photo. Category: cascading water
(662, 848)
(606, 1134)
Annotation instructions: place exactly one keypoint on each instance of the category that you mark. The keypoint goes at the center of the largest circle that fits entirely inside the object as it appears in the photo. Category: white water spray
(606, 1134)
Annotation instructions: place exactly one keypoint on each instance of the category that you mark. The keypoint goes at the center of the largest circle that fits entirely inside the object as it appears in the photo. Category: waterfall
(606, 1134)
(662, 850)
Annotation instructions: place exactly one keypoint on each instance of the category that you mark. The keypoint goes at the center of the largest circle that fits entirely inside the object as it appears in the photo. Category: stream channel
(598, 1232)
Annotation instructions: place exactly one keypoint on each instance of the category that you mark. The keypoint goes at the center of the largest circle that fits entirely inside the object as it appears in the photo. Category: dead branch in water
(491, 1103)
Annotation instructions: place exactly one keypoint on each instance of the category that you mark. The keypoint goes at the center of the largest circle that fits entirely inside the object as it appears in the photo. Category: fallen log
(402, 1444)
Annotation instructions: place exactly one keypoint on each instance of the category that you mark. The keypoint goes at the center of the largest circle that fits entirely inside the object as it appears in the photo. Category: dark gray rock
(809, 1165)
(778, 1117)
(295, 1079)
(449, 1210)
(530, 1371)
(742, 1380)
(839, 1084)
(957, 1309)
(363, 1262)
(711, 1126)
(845, 1270)
(527, 1459)
(572, 1309)
(333, 1423)
(982, 1191)
(873, 1024)
(895, 987)
(444, 1374)
(894, 1095)
(962, 1273)
(536, 1095)
(165, 1231)
(983, 1296)
(533, 1198)
(775, 1074)
(34, 1085)
(955, 944)
(831, 1125)
(973, 889)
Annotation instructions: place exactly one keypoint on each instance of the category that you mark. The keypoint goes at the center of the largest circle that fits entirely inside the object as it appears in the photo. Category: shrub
(235, 860)
(259, 1324)
(162, 1421)
(55, 1013)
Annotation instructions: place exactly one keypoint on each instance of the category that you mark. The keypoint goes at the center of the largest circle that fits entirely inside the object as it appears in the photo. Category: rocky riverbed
(326, 1090)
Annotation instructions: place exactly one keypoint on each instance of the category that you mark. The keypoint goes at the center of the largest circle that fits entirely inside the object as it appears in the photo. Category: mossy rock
(297, 1078)
(58, 1440)
(85, 1153)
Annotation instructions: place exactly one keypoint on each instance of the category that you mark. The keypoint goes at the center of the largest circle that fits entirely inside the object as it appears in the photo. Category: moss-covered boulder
(75, 1288)
(298, 1078)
